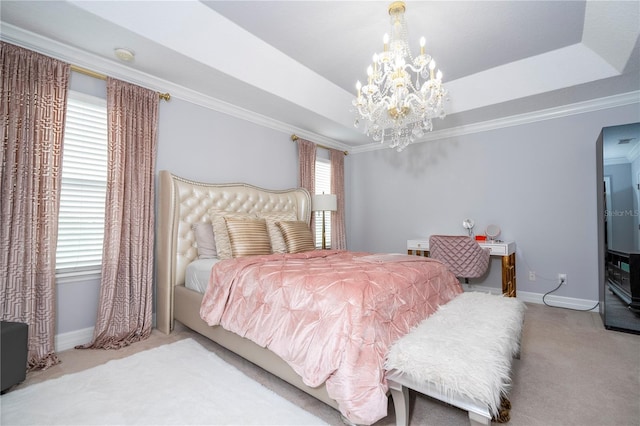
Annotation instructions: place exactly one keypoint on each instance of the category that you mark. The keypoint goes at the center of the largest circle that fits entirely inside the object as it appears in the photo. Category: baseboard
(71, 339)
(555, 301)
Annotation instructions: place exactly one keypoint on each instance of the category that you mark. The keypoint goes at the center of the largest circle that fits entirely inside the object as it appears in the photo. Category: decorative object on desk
(403, 93)
(468, 224)
(492, 232)
(324, 203)
(481, 238)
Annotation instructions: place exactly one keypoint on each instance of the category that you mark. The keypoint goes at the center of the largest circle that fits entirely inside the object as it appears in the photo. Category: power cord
(562, 281)
(562, 307)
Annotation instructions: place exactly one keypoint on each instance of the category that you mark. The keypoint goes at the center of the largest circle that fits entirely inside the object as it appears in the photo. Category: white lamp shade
(324, 202)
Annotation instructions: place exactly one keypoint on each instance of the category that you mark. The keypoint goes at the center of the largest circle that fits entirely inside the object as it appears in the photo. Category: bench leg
(400, 395)
(476, 419)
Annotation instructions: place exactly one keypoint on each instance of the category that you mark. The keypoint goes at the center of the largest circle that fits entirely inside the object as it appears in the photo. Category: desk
(506, 250)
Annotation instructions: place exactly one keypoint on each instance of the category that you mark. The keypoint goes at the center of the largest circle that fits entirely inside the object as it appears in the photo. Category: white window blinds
(323, 185)
(83, 188)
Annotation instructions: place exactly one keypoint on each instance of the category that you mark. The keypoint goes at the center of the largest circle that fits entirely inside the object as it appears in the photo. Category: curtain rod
(295, 137)
(163, 96)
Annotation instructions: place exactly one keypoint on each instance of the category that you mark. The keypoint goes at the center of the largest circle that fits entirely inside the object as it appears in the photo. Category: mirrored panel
(620, 223)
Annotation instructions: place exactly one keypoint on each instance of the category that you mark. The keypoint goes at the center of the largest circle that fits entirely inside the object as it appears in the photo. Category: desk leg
(509, 275)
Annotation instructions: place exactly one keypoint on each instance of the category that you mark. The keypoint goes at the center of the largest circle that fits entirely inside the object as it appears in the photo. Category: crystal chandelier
(402, 93)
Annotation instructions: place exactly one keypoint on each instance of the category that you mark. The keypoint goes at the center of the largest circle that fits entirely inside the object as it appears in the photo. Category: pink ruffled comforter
(331, 315)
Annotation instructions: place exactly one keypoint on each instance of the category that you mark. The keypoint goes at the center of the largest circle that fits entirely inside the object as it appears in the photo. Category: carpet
(178, 383)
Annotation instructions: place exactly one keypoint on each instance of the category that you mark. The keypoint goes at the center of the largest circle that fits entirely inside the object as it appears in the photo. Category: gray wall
(198, 143)
(536, 181)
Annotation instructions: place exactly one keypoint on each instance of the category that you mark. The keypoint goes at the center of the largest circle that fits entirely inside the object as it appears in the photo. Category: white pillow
(205, 240)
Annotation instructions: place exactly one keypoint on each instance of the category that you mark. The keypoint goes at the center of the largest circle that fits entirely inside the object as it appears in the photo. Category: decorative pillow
(275, 235)
(297, 236)
(249, 237)
(205, 240)
(223, 245)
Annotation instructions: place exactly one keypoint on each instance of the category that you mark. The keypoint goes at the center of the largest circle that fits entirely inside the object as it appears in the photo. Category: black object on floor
(13, 353)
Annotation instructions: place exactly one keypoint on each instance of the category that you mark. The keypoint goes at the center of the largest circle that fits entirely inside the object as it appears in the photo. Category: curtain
(307, 171)
(125, 307)
(338, 230)
(33, 107)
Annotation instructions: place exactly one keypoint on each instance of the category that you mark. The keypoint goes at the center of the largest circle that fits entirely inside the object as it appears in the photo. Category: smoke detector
(123, 54)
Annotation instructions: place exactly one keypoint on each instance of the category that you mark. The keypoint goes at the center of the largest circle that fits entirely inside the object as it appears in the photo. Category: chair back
(463, 255)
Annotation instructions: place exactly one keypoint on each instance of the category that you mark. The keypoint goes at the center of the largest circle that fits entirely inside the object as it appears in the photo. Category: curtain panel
(338, 229)
(33, 107)
(125, 307)
(307, 172)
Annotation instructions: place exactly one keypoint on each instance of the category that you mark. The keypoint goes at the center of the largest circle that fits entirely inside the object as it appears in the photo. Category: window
(83, 187)
(323, 185)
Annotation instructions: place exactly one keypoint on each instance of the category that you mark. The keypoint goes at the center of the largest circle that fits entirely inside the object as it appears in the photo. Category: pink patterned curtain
(338, 231)
(34, 98)
(307, 170)
(125, 309)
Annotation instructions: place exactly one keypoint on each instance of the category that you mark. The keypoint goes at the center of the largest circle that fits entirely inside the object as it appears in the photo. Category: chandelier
(403, 94)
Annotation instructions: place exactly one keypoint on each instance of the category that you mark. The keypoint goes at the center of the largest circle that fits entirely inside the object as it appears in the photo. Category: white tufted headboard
(182, 202)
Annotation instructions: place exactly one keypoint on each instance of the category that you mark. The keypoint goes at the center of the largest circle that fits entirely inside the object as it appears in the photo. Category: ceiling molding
(615, 161)
(517, 120)
(43, 45)
(29, 40)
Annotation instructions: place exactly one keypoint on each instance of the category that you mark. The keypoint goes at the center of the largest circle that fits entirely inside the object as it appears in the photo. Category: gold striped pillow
(297, 236)
(220, 233)
(277, 239)
(248, 237)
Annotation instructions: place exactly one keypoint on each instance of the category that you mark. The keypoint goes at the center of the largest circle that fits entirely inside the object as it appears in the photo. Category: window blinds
(83, 188)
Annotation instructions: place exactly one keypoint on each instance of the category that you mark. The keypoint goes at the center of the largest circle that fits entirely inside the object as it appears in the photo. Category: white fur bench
(460, 355)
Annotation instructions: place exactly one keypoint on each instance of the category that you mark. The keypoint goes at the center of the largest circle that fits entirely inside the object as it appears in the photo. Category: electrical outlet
(562, 279)
(532, 275)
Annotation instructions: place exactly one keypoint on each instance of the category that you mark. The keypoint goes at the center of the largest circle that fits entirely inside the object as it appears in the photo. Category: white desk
(505, 249)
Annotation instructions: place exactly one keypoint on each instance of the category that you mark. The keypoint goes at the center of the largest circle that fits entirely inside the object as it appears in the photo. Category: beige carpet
(180, 383)
(572, 372)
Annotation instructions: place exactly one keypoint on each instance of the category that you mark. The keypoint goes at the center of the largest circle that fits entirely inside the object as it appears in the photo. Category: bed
(183, 203)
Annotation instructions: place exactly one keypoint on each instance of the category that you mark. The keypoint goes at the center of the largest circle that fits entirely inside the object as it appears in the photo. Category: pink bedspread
(331, 315)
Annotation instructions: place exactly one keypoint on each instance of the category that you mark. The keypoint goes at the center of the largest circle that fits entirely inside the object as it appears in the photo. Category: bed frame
(181, 203)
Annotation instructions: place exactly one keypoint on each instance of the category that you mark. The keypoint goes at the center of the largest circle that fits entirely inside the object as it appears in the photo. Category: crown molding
(52, 48)
(615, 161)
(520, 119)
(29, 40)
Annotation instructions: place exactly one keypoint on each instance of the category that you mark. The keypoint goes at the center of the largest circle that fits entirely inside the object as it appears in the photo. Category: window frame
(82, 188)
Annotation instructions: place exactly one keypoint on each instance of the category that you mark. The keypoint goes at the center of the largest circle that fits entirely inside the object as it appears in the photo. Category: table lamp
(324, 203)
